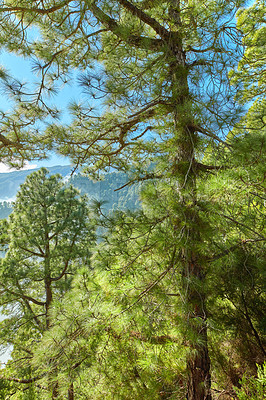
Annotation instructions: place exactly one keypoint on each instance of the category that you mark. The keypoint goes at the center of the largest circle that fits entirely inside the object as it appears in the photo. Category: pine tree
(47, 236)
(161, 73)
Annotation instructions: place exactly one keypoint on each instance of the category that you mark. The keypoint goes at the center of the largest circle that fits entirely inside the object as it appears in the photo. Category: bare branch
(140, 179)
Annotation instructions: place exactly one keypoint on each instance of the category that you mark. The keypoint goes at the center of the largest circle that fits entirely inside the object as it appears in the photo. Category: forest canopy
(168, 302)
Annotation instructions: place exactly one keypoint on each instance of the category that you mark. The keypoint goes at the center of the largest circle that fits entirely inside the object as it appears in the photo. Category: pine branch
(66, 262)
(207, 132)
(246, 313)
(142, 42)
(160, 339)
(232, 248)
(140, 179)
(144, 17)
(243, 225)
(203, 167)
(24, 297)
(198, 63)
(26, 301)
(25, 381)
(8, 143)
(34, 253)
(42, 11)
(152, 284)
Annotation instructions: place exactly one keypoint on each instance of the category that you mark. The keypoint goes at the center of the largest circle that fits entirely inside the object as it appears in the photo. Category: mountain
(108, 190)
(103, 190)
(10, 181)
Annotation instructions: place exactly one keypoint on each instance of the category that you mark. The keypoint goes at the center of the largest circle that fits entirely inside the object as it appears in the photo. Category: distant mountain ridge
(103, 190)
(10, 181)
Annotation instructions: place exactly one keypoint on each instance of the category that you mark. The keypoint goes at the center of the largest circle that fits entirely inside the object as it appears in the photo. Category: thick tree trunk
(198, 364)
(199, 380)
(185, 172)
(193, 270)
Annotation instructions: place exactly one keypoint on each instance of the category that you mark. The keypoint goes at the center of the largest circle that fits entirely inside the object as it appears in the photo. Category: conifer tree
(47, 237)
(160, 70)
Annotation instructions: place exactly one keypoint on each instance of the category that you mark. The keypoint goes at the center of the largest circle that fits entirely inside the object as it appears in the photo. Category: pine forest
(159, 295)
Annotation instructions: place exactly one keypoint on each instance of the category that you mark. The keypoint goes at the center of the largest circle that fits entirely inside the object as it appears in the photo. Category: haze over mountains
(104, 190)
(10, 181)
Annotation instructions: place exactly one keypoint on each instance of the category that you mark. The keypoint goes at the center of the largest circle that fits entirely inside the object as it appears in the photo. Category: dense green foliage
(253, 389)
(47, 237)
(170, 303)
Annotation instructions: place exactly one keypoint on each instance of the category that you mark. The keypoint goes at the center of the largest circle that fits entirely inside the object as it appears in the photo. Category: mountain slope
(10, 181)
(103, 190)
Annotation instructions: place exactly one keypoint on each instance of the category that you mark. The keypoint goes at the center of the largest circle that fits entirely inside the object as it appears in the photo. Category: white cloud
(6, 168)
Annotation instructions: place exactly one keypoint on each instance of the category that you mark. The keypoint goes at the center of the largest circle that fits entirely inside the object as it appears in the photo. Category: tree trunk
(198, 364)
(55, 391)
(48, 300)
(185, 172)
(71, 392)
(193, 271)
(199, 380)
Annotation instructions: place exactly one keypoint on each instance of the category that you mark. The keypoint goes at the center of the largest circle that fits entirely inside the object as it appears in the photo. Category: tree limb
(8, 143)
(24, 297)
(41, 11)
(144, 178)
(203, 167)
(246, 313)
(244, 226)
(158, 28)
(30, 380)
(234, 247)
(135, 40)
(204, 131)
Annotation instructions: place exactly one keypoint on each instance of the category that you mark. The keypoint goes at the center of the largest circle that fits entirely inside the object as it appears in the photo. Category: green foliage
(127, 350)
(190, 259)
(48, 235)
(250, 74)
(253, 388)
(134, 69)
(5, 387)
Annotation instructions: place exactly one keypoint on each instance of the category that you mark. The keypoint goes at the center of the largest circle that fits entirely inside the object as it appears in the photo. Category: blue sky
(21, 69)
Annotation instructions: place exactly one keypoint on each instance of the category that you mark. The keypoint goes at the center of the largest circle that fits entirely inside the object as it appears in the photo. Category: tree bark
(55, 393)
(184, 171)
(199, 380)
(71, 392)
(198, 363)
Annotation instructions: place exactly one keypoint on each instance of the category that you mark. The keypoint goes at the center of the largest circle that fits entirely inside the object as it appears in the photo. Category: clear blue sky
(21, 69)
